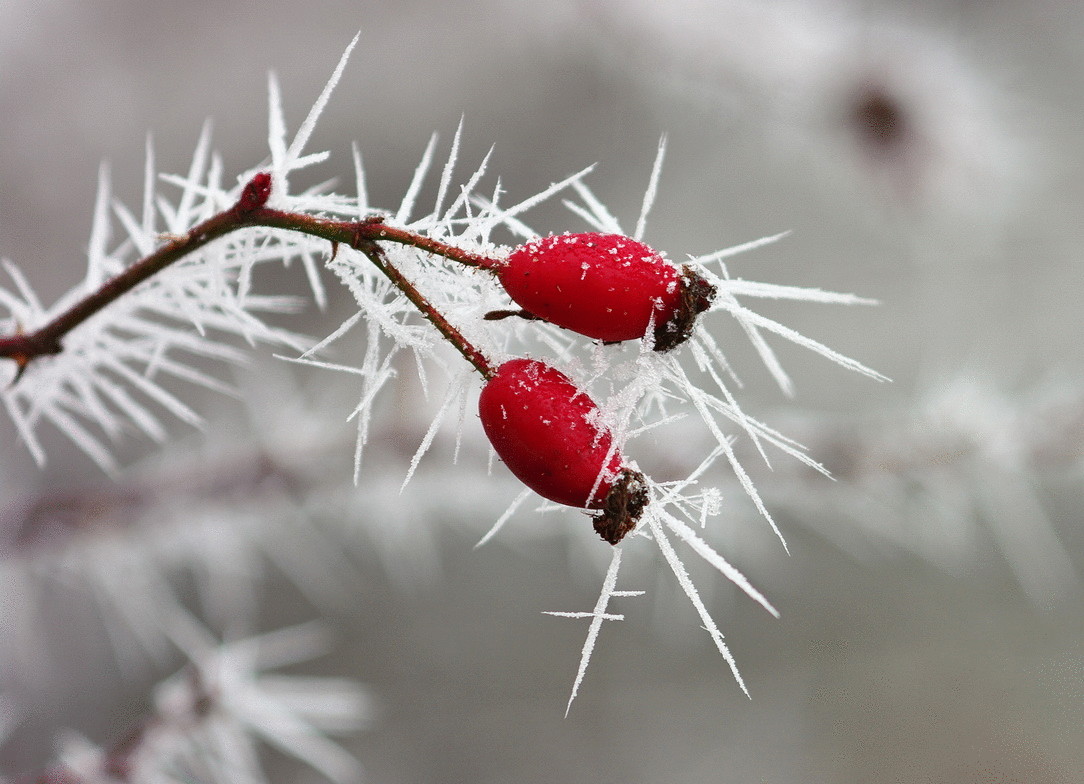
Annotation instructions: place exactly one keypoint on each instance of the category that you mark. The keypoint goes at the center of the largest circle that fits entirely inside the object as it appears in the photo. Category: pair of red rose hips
(545, 429)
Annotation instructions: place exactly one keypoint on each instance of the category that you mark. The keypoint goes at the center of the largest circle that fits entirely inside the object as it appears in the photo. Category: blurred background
(924, 154)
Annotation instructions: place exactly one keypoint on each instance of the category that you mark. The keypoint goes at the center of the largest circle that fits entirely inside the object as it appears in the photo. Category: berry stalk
(376, 255)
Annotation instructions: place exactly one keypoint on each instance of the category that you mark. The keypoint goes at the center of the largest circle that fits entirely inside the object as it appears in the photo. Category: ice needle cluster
(209, 719)
(117, 370)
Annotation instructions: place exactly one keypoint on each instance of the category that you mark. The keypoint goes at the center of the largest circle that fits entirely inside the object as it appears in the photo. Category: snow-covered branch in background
(208, 720)
(965, 464)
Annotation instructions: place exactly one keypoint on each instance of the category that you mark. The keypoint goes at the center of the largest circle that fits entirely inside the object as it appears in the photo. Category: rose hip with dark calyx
(546, 430)
(605, 286)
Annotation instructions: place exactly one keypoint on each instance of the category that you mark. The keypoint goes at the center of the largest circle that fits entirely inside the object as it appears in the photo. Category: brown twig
(250, 211)
(376, 254)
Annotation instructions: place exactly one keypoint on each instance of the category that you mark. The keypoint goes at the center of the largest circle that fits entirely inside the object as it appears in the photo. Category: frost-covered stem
(435, 317)
(369, 230)
(250, 211)
(25, 347)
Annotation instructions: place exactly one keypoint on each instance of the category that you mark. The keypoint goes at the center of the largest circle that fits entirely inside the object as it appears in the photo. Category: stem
(250, 211)
(371, 229)
(435, 317)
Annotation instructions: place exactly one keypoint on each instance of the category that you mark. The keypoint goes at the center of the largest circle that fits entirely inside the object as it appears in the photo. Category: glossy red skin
(539, 424)
(604, 286)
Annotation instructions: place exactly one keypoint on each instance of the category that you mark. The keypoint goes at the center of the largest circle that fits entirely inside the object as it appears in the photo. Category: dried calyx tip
(696, 297)
(624, 504)
(256, 192)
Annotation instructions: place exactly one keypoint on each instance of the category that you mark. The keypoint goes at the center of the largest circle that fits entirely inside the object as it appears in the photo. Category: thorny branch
(250, 211)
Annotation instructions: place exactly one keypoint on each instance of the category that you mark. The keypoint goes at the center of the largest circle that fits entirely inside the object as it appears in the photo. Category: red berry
(546, 431)
(605, 286)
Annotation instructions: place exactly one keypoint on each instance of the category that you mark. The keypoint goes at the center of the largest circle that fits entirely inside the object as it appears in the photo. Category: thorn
(497, 315)
(361, 240)
(334, 250)
(22, 362)
(21, 359)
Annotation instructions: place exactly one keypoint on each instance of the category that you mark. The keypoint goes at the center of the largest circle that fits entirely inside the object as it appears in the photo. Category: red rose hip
(546, 431)
(605, 286)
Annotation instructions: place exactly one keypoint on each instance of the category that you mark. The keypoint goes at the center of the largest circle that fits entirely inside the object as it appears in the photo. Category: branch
(250, 211)
(435, 317)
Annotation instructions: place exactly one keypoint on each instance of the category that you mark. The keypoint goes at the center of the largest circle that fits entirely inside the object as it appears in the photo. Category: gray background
(890, 663)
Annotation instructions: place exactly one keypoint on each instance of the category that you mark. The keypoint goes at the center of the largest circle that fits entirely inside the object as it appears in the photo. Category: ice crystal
(115, 365)
(156, 333)
(648, 389)
(208, 720)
